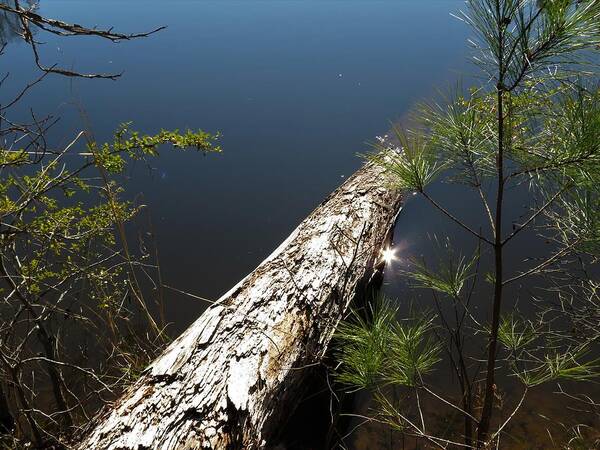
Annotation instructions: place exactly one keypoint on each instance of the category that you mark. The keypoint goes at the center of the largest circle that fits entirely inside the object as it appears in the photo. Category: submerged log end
(232, 379)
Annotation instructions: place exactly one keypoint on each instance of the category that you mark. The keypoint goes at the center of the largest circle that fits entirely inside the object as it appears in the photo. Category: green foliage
(535, 123)
(562, 145)
(453, 271)
(58, 241)
(13, 157)
(535, 35)
(363, 345)
(576, 218)
(67, 270)
(413, 352)
(131, 144)
(568, 365)
(459, 131)
(392, 414)
(382, 350)
(515, 333)
(536, 357)
(414, 167)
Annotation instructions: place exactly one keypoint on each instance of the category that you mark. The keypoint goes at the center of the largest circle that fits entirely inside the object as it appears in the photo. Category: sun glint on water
(388, 255)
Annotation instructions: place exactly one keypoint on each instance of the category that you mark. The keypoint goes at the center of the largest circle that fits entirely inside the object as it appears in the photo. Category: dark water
(295, 87)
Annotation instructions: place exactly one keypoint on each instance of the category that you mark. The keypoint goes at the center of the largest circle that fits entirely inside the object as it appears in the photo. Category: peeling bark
(232, 378)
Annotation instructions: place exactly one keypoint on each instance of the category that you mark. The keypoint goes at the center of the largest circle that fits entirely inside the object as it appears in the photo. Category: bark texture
(232, 378)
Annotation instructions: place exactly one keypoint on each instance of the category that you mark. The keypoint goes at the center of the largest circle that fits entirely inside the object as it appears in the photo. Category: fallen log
(234, 376)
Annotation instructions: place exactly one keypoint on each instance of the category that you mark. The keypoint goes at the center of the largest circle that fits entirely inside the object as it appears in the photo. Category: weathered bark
(232, 378)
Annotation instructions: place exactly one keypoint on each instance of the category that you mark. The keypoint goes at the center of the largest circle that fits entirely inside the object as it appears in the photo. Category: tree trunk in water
(231, 380)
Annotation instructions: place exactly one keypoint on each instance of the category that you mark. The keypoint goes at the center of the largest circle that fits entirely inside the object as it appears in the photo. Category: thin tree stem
(490, 386)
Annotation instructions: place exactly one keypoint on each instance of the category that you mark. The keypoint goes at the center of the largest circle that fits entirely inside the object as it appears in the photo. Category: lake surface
(296, 88)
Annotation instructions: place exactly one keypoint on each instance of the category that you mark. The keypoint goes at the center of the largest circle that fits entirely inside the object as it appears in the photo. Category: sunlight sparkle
(388, 255)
